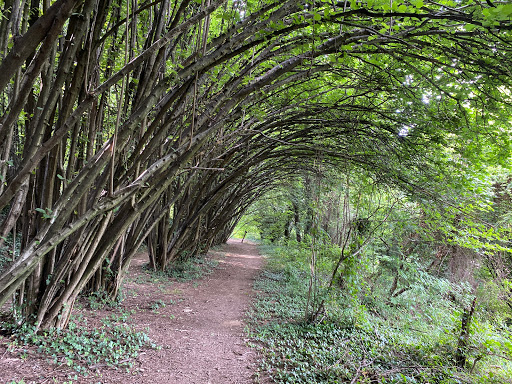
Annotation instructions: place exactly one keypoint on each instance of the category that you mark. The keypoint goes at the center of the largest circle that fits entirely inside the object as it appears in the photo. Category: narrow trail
(206, 343)
(199, 325)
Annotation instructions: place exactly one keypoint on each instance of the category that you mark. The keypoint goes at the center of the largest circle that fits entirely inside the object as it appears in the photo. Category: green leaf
(506, 10)
(417, 3)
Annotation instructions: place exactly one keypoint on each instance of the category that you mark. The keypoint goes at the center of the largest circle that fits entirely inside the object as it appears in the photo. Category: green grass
(362, 339)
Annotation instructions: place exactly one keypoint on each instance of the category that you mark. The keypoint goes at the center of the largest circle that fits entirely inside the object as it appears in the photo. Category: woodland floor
(200, 328)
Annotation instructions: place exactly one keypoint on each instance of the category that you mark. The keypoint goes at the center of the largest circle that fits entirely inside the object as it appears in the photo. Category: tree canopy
(160, 122)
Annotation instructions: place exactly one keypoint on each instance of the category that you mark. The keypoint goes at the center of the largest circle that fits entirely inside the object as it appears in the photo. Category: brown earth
(198, 324)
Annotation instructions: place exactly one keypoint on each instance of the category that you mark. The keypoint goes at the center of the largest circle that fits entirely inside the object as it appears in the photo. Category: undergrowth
(113, 344)
(8, 250)
(362, 338)
(101, 299)
(190, 269)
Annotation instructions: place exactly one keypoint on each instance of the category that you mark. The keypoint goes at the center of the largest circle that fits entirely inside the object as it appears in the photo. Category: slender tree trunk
(462, 343)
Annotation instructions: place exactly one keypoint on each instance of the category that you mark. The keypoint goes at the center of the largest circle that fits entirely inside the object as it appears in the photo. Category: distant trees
(123, 123)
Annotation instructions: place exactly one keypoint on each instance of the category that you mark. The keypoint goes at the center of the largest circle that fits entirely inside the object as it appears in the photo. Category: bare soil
(199, 325)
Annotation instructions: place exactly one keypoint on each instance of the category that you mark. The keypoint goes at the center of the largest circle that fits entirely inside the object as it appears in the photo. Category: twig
(208, 169)
(358, 373)
(5, 353)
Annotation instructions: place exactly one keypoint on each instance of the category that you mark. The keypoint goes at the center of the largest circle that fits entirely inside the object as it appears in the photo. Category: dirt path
(205, 343)
(199, 325)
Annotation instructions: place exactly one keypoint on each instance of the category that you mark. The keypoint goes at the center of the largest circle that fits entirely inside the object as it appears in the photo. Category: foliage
(100, 299)
(247, 227)
(157, 304)
(188, 112)
(5, 259)
(363, 337)
(9, 250)
(113, 344)
(188, 269)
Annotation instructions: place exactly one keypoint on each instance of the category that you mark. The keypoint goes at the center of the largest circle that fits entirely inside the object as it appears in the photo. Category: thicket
(369, 286)
(364, 337)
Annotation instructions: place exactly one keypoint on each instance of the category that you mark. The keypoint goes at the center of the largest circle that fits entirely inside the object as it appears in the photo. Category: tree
(111, 110)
